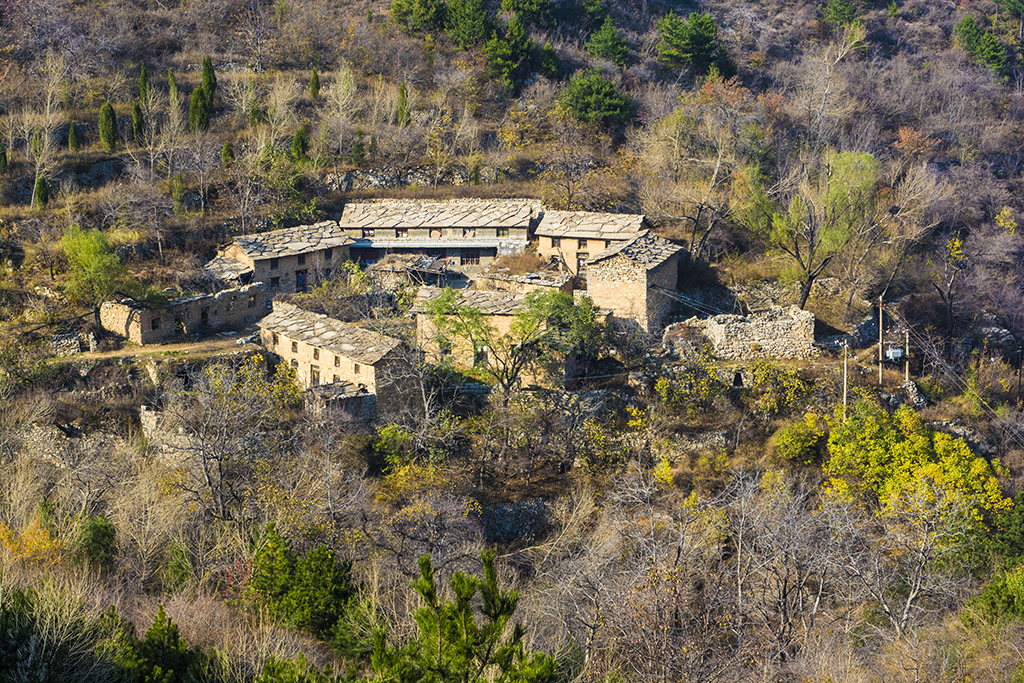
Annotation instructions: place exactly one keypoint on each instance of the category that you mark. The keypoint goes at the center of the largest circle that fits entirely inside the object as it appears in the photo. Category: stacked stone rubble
(786, 333)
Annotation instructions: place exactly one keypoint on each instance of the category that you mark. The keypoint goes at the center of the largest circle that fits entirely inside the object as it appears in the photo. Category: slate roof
(463, 213)
(591, 225)
(646, 249)
(486, 301)
(288, 241)
(329, 334)
(539, 279)
(226, 269)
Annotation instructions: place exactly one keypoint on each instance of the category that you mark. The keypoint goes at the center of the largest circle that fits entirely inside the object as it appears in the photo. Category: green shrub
(801, 440)
(95, 541)
(591, 98)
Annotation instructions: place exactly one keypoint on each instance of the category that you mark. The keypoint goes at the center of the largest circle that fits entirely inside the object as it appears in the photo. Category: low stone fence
(74, 343)
(776, 333)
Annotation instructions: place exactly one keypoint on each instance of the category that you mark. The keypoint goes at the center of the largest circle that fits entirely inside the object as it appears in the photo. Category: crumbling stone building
(776, 333)
(466, 232)
(286, 260)
(353, 361)
(635, 280)
(201, 314)
(571, 238)
(524, 284)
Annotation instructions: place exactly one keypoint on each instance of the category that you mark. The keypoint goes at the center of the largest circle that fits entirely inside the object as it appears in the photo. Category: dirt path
(198, 348)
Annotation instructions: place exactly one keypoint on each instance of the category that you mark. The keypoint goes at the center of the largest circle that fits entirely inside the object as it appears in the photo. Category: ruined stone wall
(519, 284)
(570, 251)
(659, 302)
(230, 308)
(777, 333)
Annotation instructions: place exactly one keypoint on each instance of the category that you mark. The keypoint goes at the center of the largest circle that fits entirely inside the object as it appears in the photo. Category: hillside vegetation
(650, 522)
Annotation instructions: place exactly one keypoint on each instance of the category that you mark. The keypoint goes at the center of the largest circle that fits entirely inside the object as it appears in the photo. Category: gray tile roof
(329, 334)
(226, 269)
(646, 249)
(486, 301)
(288, 241)
(591, 225)
(458, 213)
(539, 279)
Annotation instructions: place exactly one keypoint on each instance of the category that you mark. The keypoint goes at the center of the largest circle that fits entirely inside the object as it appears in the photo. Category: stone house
(467, 232)
(288, 260)
(635, 280)
(570, 238)
(324, 351)
(225, 310)
(498, 309)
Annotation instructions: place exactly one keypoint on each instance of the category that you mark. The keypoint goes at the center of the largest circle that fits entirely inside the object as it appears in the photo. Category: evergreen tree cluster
(983, 46)
(200, 106)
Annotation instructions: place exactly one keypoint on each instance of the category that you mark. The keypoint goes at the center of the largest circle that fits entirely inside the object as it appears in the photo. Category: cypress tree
(227, 154)
(108, 127)
(358, 149)
(209, 84)
(3, 156)
(37, 143)
(254, 105)
(403, 116)
(74, 144)
(172, 87)
(300, 144)
(144, 90)
(41, 193)
(314, 85)
(198, 114)
(138, 125)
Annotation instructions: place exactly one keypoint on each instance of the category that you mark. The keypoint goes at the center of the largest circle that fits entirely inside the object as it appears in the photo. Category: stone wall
(524, 284)
(73, 343)
(777, 333)
(231, 308)
(632, 292)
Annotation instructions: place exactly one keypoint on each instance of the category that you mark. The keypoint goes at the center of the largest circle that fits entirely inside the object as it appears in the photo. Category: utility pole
(906, 354)
(846, 349)
(881, 343)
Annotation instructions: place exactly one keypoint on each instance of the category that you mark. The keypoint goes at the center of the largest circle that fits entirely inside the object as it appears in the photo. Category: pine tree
(510, 57)
(314, 85)
(608, 44)
(358, 149)
(547, 61)
(138, 125)
(41, 193)
(198, 114)
(300, 144)
(144, 88)
(403, 116)
(108, 127)
(178, 193)
(208, 85)
(689, 42)
(227, 155)
(74, 144)
(468, 23)
(172, 87)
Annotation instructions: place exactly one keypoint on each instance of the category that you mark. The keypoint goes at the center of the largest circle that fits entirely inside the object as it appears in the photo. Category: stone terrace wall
(777, 333)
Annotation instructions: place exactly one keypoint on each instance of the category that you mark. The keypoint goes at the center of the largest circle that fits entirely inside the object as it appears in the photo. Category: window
(337, 379)
(316, 354)
(295, 364)
(401, 232)
(252, 300)
(314, 375)
(275, 282)
(367, 232)
(295, 347)
(480, 357)
(469, 232)
(302, 259)
(556, 242)
(470, 257)
(502, 232)
(277, 339)
(337, 361)
(581, 261)
(329, 253)
(274, 263)
(355, 368)
(155, 324)
(581, 244)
